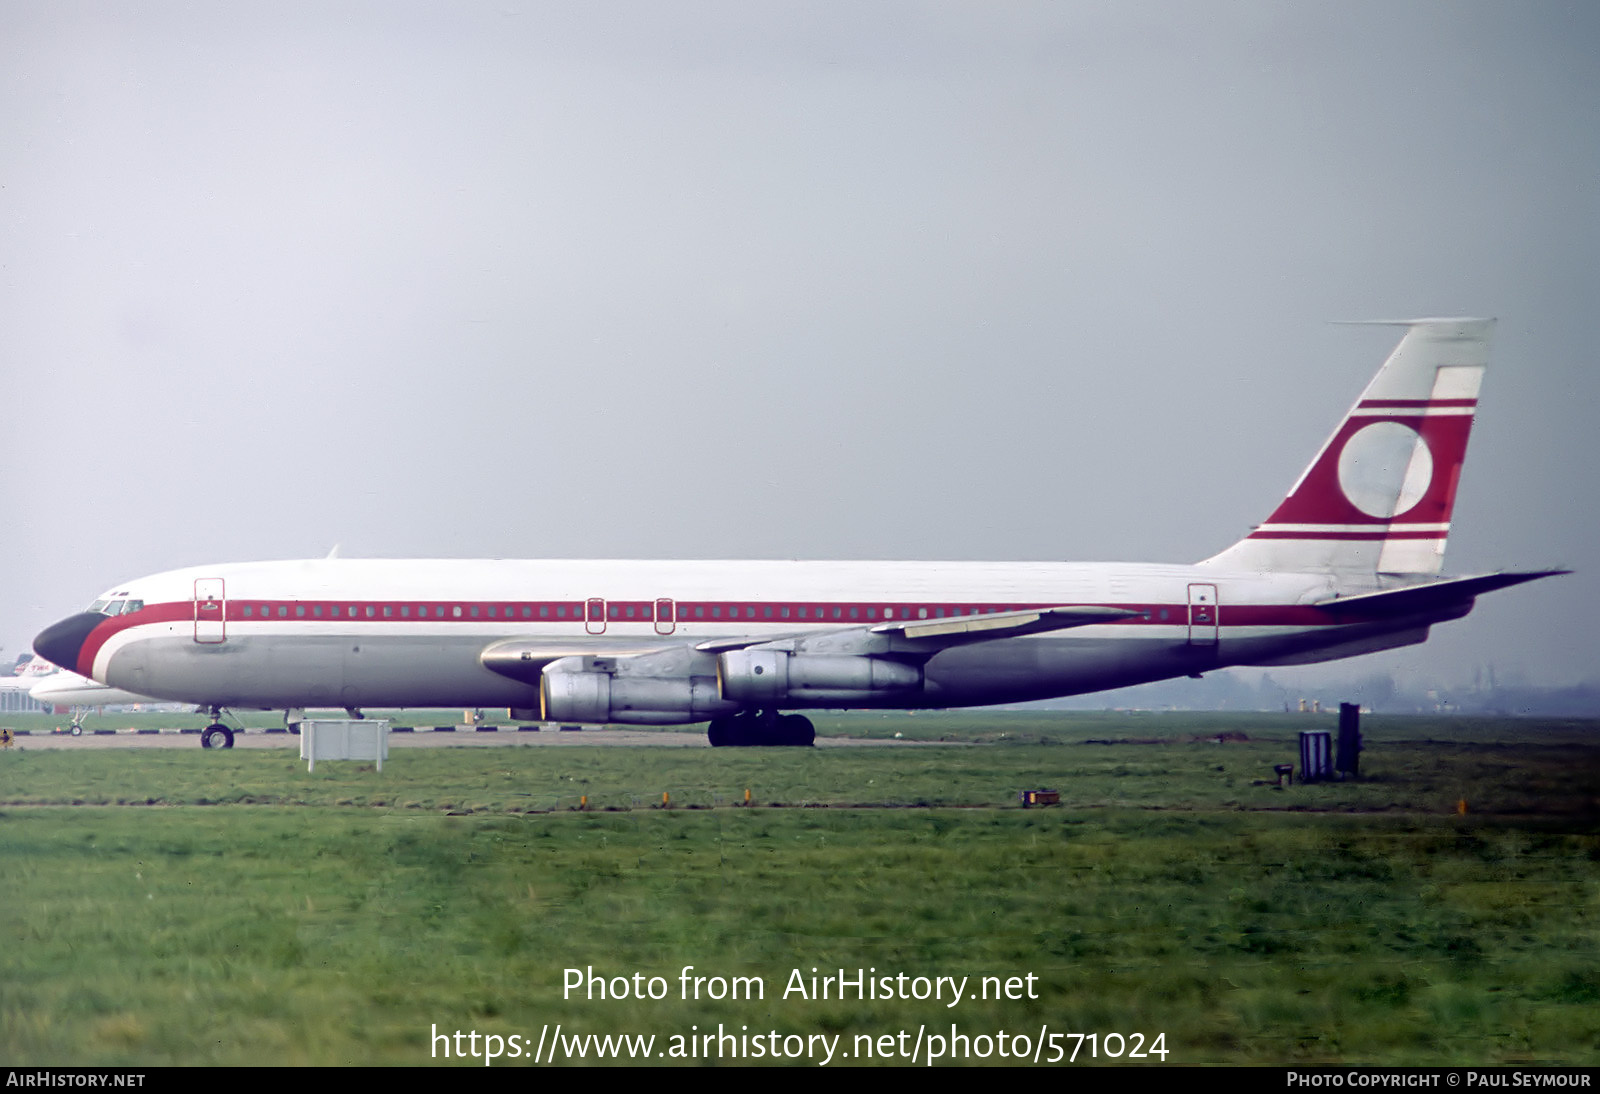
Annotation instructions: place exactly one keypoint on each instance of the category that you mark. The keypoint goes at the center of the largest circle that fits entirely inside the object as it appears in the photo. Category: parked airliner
(63, 689)
(29, 674)
(1348, 563)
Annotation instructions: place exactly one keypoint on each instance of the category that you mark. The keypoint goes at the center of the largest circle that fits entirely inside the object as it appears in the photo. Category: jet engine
(767, 677)
(592, 690)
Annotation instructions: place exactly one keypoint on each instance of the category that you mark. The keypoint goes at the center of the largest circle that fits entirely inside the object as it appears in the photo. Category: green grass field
(185, 906)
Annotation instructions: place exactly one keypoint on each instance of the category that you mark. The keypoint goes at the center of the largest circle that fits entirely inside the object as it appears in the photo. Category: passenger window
(300, 611)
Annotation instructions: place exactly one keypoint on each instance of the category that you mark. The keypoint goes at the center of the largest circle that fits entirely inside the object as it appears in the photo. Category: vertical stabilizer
(1378, 496)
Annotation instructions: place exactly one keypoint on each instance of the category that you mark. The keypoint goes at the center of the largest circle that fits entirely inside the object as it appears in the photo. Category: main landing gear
(766, 727)
(216, 735)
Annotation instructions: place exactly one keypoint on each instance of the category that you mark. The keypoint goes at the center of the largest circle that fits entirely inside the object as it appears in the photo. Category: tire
(216, 736)
(796, 731)
(719, 733)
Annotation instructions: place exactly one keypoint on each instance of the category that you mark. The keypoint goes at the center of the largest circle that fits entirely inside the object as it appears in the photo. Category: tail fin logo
(1390, 458)
(1385, 469)
(1379, 494)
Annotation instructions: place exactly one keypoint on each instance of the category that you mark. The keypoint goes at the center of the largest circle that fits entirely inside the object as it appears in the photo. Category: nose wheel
(216, 735)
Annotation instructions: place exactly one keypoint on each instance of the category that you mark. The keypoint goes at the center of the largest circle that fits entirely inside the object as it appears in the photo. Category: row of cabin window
(613, 611)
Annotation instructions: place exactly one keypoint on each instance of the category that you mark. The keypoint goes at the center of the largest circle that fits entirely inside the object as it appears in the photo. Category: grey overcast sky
(882, 280)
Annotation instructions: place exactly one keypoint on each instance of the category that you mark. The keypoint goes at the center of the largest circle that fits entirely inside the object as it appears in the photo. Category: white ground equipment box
(344, 739)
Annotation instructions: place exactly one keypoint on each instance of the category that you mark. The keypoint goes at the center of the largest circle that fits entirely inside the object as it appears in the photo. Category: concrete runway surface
(461, 738)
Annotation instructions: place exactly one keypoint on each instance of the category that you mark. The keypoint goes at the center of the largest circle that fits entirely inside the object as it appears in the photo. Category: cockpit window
(98, 606)
(132, 606)
(115, 607)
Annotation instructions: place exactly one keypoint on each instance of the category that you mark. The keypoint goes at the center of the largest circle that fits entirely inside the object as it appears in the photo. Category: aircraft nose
(60, 643)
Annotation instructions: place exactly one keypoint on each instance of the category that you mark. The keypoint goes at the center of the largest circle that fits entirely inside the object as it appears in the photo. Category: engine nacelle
(583, 689)
(771, 677)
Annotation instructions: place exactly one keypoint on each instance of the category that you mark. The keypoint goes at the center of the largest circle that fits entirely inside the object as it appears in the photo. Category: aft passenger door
(1202, 615)
(210, 610)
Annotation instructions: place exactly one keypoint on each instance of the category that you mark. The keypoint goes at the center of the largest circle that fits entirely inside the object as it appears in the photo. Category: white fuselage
(357, 632)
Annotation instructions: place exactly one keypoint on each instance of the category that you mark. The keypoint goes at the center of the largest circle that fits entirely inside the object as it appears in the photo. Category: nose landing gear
(216, 735)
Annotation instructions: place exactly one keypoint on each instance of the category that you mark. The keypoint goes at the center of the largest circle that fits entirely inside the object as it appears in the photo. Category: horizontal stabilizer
(1426, 598)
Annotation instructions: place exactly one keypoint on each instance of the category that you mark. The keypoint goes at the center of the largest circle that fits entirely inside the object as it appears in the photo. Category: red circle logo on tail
(1385, 469)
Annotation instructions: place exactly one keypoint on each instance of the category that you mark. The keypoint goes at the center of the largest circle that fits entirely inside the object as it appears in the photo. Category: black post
(1349, 761)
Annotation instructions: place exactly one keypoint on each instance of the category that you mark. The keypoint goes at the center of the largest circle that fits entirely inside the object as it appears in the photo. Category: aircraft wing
(929, 636)
(960, 629)
(525, 658)
(908, 640)
(1424, 598)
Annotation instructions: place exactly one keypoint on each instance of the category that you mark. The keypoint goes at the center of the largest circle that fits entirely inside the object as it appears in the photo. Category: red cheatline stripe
(1376, 534)
(1415, 403)
(150, 613)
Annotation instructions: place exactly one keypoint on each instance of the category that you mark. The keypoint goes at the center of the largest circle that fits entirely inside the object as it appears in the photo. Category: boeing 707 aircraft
(1348, 563)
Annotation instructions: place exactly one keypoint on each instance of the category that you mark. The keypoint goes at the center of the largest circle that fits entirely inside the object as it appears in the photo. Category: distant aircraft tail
(1378, 497)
